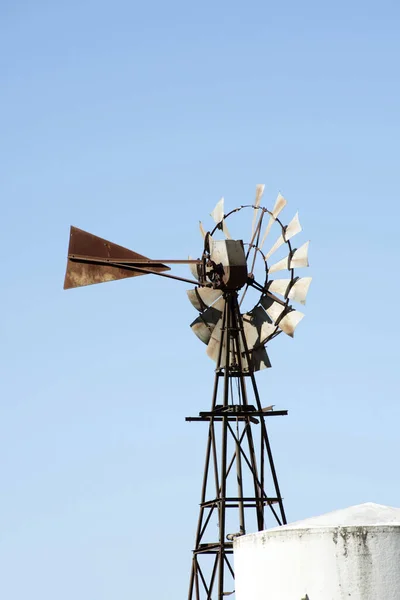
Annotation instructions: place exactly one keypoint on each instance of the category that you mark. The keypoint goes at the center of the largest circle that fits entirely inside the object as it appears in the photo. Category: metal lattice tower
(234, 473)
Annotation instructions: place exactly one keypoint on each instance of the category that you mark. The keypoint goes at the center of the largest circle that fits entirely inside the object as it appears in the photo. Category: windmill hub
(228, 266)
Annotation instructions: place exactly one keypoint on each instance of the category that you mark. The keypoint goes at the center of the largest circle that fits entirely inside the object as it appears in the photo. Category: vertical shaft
(242, 529)
(261, 525)
(237, 354)
(242, 341)
(226, 335)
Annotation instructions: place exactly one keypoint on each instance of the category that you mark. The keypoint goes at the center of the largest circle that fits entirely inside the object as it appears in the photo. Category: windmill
(240, 483)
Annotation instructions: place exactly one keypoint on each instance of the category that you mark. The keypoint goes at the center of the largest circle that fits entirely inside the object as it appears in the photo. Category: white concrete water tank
(351, 554)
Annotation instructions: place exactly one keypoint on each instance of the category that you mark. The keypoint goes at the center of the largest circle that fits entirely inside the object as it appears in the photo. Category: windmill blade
(218, 216)
(283, 316)
(226, 231)
(214, 344)
(202, 230)
(257, 327)
(291, 230)
(259, 192)
(84, 244)
(205, 323)
(218, 212)
(280, 204)
(290, 321)
(202, 297)
(295, 290)
(300, 257)
(280, 265)
(260, 359)
(279, 286)
(273, 309)
(298, 291)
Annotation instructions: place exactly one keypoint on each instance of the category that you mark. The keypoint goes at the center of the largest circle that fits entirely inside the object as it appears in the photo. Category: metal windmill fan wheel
(228, 265)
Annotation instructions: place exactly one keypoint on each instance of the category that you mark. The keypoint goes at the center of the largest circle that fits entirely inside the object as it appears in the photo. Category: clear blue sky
(130, 120)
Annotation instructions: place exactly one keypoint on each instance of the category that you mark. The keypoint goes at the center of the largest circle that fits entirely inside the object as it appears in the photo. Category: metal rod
(204, 488)
(244, 415)
(207, 419)
(206, 522)
(134, 261)
(257, 232)
(229, 567)
(233, 457)
(256, 285)
(242, 527)
(215, 456)
(266, 500)
(253, 469)
(221, 345)
(192, 576)
(143, 270)
(226, 335)
(258, 239)
(202, 579)
(213, 576)
(262, 474)
(197, 579)
(269, 453)
(257, 490)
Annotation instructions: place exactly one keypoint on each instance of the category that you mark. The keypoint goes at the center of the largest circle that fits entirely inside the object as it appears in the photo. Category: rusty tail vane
(92, 259)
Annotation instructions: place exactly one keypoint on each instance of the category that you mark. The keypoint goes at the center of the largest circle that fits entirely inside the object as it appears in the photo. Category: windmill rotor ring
(228, 265)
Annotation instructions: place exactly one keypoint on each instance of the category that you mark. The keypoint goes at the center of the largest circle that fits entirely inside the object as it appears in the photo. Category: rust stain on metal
(86, 244)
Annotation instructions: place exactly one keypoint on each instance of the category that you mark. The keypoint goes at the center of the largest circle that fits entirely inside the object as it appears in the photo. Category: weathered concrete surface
(352, 554)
